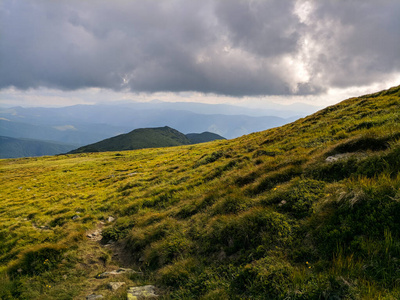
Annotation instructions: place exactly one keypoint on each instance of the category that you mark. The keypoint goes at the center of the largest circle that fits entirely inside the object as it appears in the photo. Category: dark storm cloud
(225, 47)
(363, 45)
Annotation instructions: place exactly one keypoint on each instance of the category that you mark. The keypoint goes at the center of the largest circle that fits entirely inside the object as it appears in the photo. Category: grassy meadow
(309, 210)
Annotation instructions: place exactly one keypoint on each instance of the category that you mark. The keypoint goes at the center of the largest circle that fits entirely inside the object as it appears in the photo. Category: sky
(243, 52)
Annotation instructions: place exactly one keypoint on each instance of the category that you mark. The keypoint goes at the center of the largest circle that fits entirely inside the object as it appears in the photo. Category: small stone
(141, 292)
(336, 157)
(110, 219)
(283, 202)
(94, 296)
(75, 217)
(116, 272)
(115, 285)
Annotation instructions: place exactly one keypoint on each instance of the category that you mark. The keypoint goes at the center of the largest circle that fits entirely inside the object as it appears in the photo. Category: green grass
(264, 216)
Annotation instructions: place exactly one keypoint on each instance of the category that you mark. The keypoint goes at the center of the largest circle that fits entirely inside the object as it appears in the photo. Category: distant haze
(85, 124)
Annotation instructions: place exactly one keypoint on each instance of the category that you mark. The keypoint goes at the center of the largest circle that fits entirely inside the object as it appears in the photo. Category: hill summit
(148, 138)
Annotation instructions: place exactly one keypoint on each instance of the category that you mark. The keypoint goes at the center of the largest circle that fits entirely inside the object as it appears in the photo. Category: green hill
(148, 138)
(13, 148)
(309, 210)
(138, 139)
(197, 138)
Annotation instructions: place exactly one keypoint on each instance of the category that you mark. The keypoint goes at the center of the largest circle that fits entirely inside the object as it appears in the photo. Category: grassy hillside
(138, 139)
(309, 210)
(13, 148)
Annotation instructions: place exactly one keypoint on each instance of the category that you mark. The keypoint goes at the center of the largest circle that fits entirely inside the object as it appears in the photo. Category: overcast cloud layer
(235, 48)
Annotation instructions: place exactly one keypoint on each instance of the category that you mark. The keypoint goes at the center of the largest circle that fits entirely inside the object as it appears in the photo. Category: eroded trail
(109, 269)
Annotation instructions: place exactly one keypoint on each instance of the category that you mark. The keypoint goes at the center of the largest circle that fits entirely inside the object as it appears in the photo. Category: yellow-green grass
(263, 216)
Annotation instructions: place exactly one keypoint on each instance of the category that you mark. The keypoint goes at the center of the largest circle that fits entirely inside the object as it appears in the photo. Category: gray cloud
(231, 47)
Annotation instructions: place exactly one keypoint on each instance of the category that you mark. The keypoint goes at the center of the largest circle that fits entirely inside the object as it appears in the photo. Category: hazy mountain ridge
(14, 148)
(308, 210)
(96, 122)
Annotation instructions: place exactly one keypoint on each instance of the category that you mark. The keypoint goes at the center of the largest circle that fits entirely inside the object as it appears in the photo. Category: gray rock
(94, 296)
(283, 202)
(95, 236)
(115, 285)
(116, 272)
(141, 292)
(336, 157)
(110, 219)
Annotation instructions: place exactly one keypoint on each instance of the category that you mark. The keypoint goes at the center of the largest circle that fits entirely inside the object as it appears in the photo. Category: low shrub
(274, 178)
(367, 207)
(230, 205)
(38, 259)
(246, 231)
(119, 229)
(209, 158)
(266, 278)
(298, 199)
(176, 274)
(163, 252)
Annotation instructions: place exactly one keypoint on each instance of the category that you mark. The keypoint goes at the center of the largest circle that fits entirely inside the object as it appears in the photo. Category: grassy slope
(263, 216)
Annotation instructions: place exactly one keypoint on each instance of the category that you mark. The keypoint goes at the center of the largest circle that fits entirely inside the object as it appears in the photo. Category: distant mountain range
(13, 148)
(81, 125)
(84, 124)
(148, 138)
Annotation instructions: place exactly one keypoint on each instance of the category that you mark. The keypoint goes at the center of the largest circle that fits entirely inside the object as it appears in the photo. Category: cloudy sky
(245, 52)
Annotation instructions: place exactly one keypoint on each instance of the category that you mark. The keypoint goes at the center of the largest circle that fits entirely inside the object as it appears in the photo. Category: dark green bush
(277, 177)
(367, 212)
(165, 251)
(230, 205)
(266, 278)
(187, 211)
(119, 229)
(209, 158)
(300, 196)
(362, 143)
(39, 259)
(162, 201)
(244, 180)
(247, 231)
(335, 171)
